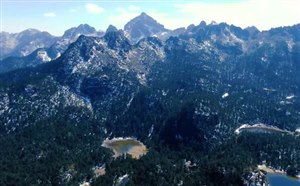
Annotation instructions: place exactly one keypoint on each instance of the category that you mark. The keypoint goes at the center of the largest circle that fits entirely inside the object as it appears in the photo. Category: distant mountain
(82, 29)
(208, 59)
(11, 63)
(111, 28)
(138, 28)
(25, 42)
(184, 97)
(47, 53)
(69, 37)
(143, 26)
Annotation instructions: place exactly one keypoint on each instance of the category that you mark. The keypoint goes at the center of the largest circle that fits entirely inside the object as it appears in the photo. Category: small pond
(276, 179)
(128, 145)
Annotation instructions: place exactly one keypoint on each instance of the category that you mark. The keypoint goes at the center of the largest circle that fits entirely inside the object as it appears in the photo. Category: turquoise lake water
(281, 180)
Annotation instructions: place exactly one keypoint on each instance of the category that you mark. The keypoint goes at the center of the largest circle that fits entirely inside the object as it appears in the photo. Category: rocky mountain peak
(30, 31)
(111, 28)
(142, 26)
(202, 24)
(117, 40)
(82, 29)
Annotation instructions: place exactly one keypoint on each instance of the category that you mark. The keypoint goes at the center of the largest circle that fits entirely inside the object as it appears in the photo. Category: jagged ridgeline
(181, 93)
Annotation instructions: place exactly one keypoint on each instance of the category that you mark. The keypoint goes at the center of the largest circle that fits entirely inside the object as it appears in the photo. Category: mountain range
(182, 92)
(25, 42)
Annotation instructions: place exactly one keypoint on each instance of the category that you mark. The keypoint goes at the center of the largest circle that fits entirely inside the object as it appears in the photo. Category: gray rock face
(141, 27)
(44, 52)
(25, 42)
(111, 28)
(98, 72)
(70, 36)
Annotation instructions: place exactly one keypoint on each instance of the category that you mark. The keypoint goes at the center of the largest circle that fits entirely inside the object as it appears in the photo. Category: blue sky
(58, 15)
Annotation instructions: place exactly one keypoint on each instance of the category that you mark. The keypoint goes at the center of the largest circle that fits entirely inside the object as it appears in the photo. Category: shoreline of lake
(278, 177)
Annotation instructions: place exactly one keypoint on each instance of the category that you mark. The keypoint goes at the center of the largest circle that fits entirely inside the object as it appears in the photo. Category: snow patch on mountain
(4, 103)
(225, 95)
(290, 97)
(142, 78)
(71, 99)
(44, 56)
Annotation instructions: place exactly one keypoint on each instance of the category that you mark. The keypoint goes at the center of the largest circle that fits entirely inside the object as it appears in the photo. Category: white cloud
(72, 10)
(49, 14)
(93, 8)
(264, 14)
(123, 15)
(167, 20)
(134, 8)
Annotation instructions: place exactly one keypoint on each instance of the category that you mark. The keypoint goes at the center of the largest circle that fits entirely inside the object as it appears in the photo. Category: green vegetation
(56, 116)
(43, 154)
